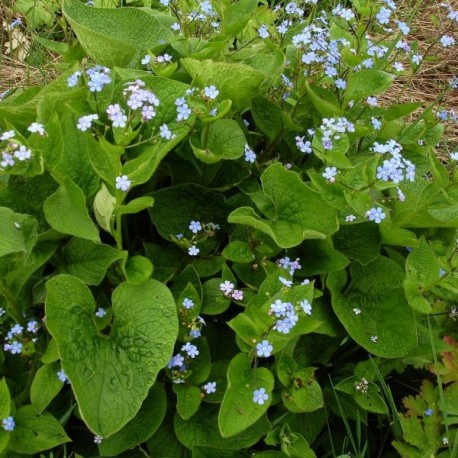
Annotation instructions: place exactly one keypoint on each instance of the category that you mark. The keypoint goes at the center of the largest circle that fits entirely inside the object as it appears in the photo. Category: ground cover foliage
(220, 237)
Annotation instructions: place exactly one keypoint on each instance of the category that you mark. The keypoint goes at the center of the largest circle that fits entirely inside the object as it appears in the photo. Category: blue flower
(447, 40)
(190, 349)
(340, 83)
(211, 92)
(188, 303)
(263, 32)
(260, 396)
(330, 173)
(195, 226)
(383, 16)
(176, 361)
(8, 423)
(62, 376)
(286, 282)
(193, 251)
(32, 326)
(72, 80)
(264, 349)
(250, 155)
(123, 183)
(210, 387)
(376, 214)
(165, 132)
(85, 122)
(15, 347)
(101, 312)
(428, 412)
(306, 306)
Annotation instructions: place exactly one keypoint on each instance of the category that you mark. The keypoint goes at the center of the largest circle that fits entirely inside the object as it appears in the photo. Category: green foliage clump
(221, 238)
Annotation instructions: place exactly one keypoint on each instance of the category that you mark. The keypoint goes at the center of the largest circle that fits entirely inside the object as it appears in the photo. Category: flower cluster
(97, 78)
(14, 151)
(85, 122)
(332, 129)
(228, 288)
(139, 98)
(290, 266)
(15, 338)
(362, 386)
(286, 314)
(200, 231)
(178, 363)
(183, 110)
(396, 168)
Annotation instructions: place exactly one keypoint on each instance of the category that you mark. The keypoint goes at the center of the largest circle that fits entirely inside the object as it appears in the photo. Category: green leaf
(360, 242)
(51, 145)
(335, 156)
(188, 400)
(207, 452)
(138, 269)
(111, 375)
(238, 410)
(135, 32)
(237, 82)
(323, 100)
(66, 212)
(105, 158)
(202, 430)
(319, 257)
(18, 232)
(366, 83)
(377, 291)
(165, 443)
(140, 169)
(422, 270)
(45, 387)
(236, 16)
(304, 394)
(141, 427)
(104, 204)
(75, 163)
(214, 302)
(134, 206)
(88, 261)
(5, 399)
(270, 61)
(35, 433)
(54, 46)
(51, 353)
(223, 140)
(238, 251)
(267, 117)
(176, 206)
(299, 212)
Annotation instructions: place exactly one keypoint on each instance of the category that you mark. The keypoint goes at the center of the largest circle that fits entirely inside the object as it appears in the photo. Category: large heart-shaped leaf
(237, 82)
(295, 213)
(238, 410)
(374, 309)
(115, 36)
(111, 374)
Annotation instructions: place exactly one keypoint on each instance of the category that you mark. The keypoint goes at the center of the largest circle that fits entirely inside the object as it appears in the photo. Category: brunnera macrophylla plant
(219, 235)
